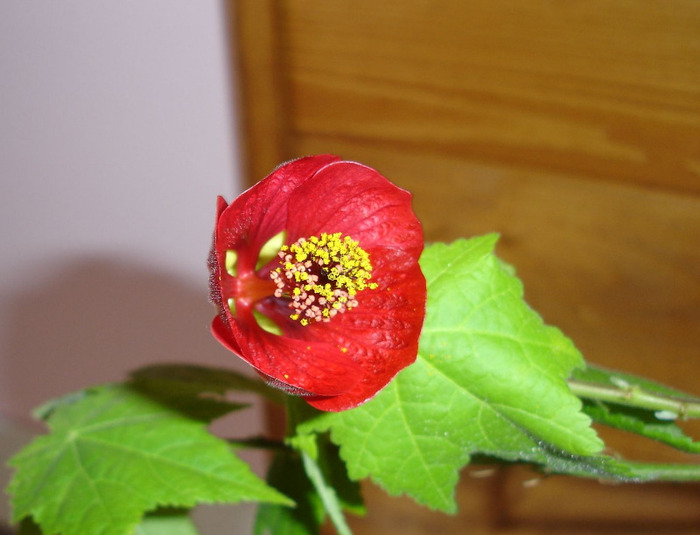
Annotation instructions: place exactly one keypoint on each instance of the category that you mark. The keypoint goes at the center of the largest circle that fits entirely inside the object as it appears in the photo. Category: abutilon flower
(315, 274)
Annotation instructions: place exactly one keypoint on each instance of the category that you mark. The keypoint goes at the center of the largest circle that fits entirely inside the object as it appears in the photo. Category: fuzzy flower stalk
(314, 271)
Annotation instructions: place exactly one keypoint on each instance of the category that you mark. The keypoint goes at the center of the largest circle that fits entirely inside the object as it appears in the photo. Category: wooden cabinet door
(572, 128)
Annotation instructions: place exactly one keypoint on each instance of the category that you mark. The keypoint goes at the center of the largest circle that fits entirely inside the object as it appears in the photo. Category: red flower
(315, 274)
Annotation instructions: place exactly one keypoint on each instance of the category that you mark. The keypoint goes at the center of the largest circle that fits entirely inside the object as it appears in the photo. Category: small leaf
(642, 422)
(336, 475)
(115, 453)
(198, 380)
(167, 522)
(490, 378)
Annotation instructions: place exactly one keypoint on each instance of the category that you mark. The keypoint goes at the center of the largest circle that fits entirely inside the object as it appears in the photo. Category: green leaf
(326, 492)
(336, 475)
(603, 467)
(315, 477)
(324, 453)
(197, 380)
(642, 422)
(115, 453)
(490, 378)
(167, 522)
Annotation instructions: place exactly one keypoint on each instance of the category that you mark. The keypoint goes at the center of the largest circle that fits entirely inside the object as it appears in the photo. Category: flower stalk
(667, 407)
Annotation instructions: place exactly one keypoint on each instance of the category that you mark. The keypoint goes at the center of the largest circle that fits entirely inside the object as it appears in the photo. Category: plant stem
(307, 445)
(634, 396)
(327, 494)
(663, 472)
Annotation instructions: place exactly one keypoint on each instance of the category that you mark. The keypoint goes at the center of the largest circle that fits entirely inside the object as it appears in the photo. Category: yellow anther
(322, 275)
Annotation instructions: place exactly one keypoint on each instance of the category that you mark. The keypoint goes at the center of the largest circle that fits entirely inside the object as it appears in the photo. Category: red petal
(261, 211)
(356, 200)
(381, 334)
(314, 366)
(223, 334)
(379, 337)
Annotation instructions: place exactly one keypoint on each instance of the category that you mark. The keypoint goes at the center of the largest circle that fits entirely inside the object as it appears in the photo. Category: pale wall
(116, 134)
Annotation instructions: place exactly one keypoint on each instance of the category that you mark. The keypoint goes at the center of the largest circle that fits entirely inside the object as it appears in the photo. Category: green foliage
(187, 383)
(491, 382)
(601, 376)
(490, 378)
(638, 405)
(115, 452)
(287, 474)
(642, 422)
(314, 476)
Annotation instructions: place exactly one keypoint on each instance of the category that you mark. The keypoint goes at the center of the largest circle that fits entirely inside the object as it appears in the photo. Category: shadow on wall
(96, 320)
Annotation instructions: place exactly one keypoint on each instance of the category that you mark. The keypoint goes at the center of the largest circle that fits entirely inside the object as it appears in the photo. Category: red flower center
(321, 275)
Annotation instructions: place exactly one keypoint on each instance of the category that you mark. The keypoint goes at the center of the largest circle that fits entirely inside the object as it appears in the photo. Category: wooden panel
(257, 68)
(607, 89)
(573, 129)
(515, 502)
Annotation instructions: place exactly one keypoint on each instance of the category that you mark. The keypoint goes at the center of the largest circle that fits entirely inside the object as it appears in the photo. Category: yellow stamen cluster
(321, 276)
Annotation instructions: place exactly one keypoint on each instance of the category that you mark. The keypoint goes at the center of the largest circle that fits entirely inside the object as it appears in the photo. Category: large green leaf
(115, 453)
(490, 378)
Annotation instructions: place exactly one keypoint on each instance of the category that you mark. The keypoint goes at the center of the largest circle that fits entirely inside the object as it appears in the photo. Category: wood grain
(258, 70)
(572, 128)
(603, 88)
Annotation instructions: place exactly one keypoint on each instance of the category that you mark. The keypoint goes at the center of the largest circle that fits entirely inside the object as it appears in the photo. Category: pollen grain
(321, 276)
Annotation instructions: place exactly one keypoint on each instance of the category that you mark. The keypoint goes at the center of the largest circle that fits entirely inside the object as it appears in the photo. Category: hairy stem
(634, 396)
(664, 472)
